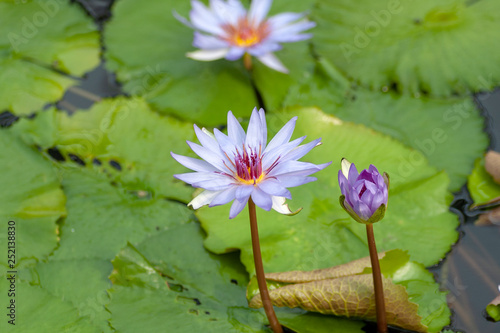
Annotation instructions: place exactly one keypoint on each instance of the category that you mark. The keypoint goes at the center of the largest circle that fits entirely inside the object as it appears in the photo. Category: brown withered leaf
(491, 217)
(350, 268)
(492, 165)
(349, 296)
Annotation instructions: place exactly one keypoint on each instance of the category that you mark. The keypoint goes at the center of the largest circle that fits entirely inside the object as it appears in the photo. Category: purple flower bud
(365, 194)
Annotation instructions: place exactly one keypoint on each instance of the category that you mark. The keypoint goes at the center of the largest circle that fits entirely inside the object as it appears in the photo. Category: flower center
(249, 167)
(244, 34)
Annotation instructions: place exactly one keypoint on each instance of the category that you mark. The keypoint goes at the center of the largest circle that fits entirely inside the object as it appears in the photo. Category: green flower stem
(259, 270)
(377, 281)
(247, 61)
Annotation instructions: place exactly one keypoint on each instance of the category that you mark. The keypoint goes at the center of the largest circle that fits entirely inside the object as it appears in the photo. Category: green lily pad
(481, 185)
(438, 47)
(81, 282)
(159, 283)
(40, 41)
(493, 309)
(323, 235)
(36, 310)
(435, 127)
(119, 130)
(31, 198)
(103, 217)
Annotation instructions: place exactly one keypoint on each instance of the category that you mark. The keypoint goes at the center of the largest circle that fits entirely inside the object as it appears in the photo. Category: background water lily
(240, 165)
(227, 30)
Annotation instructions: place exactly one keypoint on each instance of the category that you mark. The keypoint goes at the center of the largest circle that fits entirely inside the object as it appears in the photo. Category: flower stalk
(259, 270)
(247, 62)
(377, 281)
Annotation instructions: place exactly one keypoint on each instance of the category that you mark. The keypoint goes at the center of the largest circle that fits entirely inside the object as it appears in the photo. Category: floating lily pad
(82, 282)
(437, 47)
(435, 127)
(31, 198)
(40, 42)
(481, 185)
(158, 283)
(119, 133)
(36, 310)
(323, 235)
(103, 217)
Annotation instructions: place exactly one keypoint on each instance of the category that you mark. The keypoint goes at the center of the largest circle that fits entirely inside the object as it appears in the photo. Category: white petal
(206, 42)
(345, 167)
(283, 19)
(228, 12)
(236, 208)
(208, 55)
(234, 130)
(203, 19)
(283, 136)
(255, 131)
(281, 207)
(271, 61)
(202, 199)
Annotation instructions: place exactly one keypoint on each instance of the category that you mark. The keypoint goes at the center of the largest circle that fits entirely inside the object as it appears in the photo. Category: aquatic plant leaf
(103, 217)
(416, 289)
(37, 310)
(158, 282)
(119, 131)
(434, 127)
(493, 309)
(481, 185)
(32, 198)
(417, 219)
(82, 282)
(436, 47)
(351, 296)
(44, 45)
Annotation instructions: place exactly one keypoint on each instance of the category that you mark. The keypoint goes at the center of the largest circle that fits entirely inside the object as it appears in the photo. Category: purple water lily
(227, 30)
(365, 194)
(240, 166)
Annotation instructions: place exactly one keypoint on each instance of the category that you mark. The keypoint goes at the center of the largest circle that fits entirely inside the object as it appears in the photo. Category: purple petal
(343, 183)
(262, 115)
(226, 144)
(208, 155)
(290, 30)
(289, 38)
(234, 130)
(262, 199)
(283, 19)
(264, 47)
(235, 53)
(296, 168)
(236, 208)
(283, 136)
(365, 175)
(193, 177)
(207, 141)
(214, 184)
(378, 199)
(243, 192)
(193, 163)
(271, 61)
(255, 131)
(183, 20)
(353, 174)
(224, 197)
(299, 152)
(258, 10)
(205, 42)
(274, 188)
(293, 181)
(203, 19)
(228, 12)
(362, 210)
(270, 156)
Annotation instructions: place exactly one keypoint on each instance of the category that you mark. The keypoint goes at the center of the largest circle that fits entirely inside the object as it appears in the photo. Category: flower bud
(364, 195)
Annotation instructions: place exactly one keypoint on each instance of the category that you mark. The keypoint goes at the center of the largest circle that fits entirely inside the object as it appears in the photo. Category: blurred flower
(227, 30)
(240, 166)
(365, 195)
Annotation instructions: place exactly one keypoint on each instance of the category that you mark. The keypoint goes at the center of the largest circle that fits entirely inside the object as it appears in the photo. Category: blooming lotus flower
(226, 30)
(241, 166)
(365, 194)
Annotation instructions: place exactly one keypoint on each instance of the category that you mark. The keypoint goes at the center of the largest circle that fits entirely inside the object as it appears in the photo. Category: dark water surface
(470, 272)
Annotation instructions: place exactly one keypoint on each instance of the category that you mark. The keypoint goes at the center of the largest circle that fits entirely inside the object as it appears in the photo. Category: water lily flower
(365, 194)
(226, 29)
(240, 166)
